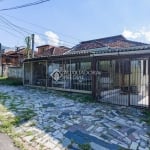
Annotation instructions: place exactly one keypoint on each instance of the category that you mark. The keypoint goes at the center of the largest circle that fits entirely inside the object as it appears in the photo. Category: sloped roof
(10, 52)
(113, 42)
(42, 46)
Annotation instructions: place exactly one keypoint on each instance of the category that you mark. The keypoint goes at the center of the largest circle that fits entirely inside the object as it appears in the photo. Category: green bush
(10, 81)
(147, 116)
(85, 146)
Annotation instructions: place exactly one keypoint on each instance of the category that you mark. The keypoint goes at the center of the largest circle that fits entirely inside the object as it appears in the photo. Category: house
(114, 44)
(112, 69)
(118, 41)
(12, 58)
(48, 50)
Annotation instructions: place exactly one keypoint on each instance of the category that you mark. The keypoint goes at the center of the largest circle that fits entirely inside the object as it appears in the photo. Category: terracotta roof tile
(113, 42)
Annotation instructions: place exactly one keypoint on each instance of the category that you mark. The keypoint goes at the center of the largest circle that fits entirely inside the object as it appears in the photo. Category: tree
(28, 46)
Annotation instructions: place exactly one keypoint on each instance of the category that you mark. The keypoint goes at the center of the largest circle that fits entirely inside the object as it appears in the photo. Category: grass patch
(10, 81)
(28, 133)
(25, 115)
(85, 146)
(12, 106)
(19, 144)
(4, 96)
(146, 116)
(83, 98)
(7, 124)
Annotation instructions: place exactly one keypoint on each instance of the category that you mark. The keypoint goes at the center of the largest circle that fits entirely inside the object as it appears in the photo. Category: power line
(12, 34)
(25, 5)
(42, 27)
(11, 26)
(20, 30)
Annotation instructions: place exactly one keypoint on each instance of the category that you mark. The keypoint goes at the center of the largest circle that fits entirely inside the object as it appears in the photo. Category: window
(8, 60)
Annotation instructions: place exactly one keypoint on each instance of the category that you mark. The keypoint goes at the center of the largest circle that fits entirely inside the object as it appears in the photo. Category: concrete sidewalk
(6, 143)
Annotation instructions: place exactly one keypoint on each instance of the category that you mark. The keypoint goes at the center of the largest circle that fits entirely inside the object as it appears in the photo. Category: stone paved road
(62, 123)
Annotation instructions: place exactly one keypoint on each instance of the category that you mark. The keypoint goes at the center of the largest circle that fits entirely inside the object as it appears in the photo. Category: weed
(33, 124)
(148, 133)
(10, 81)
(28, 133)
(8, 122)
(12, 106)
(118, 126)
(83, 98)
(71, 144)
(146, 117)
(41, 147)
(33, 139)
(26, 115)
(85, 146)
(19, 144)
(4, 96)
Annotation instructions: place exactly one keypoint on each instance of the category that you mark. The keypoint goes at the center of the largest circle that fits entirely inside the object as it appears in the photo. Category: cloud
(130, 34)
(39, 40)
(50, 38)
(142, 35)
(53, 39)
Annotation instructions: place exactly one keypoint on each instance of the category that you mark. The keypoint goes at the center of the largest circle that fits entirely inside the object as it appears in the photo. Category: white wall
(15, 72)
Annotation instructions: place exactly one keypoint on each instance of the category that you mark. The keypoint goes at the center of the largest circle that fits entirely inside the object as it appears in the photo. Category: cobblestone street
(61, 123)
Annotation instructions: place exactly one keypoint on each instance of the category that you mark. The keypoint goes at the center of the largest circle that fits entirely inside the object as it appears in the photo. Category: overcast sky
(67, 22)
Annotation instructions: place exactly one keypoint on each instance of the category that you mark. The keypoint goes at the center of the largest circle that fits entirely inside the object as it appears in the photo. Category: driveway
(61, 123)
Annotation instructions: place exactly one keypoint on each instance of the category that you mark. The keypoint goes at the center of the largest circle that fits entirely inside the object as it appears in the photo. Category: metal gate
(123, 82)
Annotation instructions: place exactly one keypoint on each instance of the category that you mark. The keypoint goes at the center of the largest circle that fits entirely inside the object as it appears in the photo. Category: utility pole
(32, 37)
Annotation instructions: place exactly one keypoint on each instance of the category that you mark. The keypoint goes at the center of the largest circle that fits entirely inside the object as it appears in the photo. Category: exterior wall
(9, 61)
(13, 61)
(5, 70)
(15, 72)
(42, 49)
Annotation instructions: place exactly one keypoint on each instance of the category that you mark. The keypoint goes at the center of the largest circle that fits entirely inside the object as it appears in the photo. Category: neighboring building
(49, 50)
(12, 58)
